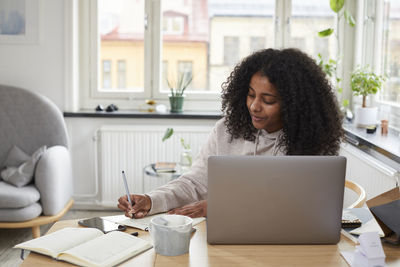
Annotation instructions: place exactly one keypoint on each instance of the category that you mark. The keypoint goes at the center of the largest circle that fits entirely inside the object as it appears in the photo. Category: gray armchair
(30, 121)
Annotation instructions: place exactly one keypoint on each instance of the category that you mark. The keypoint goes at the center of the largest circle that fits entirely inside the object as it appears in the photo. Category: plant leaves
(336, 5)
(184, 145)
(345, 103)
(349, 18)
(325, 33)
(168, 133)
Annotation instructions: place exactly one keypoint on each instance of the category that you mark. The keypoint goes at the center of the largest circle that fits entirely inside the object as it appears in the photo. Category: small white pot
(365, 117)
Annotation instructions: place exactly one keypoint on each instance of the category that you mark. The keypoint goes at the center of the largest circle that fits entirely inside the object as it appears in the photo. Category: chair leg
(36, 231)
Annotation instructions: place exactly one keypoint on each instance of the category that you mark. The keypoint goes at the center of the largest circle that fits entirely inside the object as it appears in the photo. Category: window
(256, 43)
(231, 50)
(121, 74)
(308, 18)
(173, 24)
(106, 74)
(121, 36)
(391, 51)
(159, 38)
(381, 50)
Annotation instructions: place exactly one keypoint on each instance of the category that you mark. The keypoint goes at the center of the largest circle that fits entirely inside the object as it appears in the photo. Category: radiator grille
(131, 148)
(374, 176)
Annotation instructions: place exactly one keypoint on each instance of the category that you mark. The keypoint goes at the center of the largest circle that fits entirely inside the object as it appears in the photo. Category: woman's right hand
(141, 205)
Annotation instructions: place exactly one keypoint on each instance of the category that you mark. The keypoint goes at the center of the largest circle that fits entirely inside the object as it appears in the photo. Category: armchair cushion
(15, 157)
(22, 175)
(21, 214)
(14, 197)
(53, 179)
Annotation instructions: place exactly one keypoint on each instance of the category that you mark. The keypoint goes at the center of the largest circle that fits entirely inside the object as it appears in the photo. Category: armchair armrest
(53, 179)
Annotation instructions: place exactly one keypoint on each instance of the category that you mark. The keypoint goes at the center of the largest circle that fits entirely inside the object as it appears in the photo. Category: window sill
(382, 147)
(147, 115)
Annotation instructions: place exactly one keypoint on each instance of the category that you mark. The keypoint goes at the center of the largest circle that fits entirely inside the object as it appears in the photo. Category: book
(164, 167)
(87, 246)
(368, 223)
(143, 223)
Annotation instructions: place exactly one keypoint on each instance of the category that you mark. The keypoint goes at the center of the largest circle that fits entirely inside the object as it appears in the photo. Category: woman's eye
(269, 102)
(252, 96)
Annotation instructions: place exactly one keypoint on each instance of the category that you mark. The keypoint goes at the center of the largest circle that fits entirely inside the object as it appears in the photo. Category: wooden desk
(201, 254)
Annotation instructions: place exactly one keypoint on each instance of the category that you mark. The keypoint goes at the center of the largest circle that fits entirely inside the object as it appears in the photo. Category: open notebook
(87, 246)
(143, 223)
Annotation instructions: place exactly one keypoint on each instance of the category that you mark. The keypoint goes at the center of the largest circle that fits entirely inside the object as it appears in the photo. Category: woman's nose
(255, 105)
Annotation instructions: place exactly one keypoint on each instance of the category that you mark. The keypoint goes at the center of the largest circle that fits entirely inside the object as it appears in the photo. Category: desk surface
(202, 254)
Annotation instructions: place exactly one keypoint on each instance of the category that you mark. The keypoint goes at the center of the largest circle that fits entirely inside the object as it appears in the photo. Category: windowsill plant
(177, 90)
(365, 82)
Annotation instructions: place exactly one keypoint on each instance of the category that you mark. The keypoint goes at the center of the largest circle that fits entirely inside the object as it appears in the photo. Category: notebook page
(106, 250)
(61, 240)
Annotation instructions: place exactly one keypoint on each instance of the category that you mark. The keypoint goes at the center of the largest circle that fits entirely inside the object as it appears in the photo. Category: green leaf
(349, 18)
(184, 145)
(336, 5)
(345, 103)
(168, 133)
(325, 33)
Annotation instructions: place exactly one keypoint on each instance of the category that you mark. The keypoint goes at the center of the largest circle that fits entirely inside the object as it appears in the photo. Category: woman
(276, 102)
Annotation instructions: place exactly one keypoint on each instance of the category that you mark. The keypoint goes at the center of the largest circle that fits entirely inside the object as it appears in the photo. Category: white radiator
(131, 148)
(373, 175)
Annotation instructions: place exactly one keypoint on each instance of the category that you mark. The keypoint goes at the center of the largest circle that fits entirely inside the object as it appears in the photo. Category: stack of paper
(368, 254)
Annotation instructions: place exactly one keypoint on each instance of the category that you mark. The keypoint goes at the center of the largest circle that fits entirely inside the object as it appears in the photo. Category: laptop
(275, 199)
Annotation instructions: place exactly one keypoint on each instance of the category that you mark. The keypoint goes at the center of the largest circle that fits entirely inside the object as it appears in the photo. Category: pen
(126, 189)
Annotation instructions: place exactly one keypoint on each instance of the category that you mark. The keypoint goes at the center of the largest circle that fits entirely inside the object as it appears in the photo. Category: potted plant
(365, 82)
(176, 97)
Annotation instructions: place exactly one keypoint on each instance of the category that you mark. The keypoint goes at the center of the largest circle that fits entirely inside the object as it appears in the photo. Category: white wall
(39, 67)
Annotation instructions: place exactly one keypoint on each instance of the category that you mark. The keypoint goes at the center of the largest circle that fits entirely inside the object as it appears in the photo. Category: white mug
(171, 234)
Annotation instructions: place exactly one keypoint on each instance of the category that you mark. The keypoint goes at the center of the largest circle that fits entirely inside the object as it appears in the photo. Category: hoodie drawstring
(257, 138)
(274, 148)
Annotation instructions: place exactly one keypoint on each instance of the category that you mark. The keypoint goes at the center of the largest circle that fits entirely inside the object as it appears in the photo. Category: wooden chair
(359, 191)
(38, 221)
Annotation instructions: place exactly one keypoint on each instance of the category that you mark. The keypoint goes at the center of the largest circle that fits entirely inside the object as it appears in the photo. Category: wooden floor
(10, 257)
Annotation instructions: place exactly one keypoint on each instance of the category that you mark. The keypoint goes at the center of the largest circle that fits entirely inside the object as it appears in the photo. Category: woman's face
(264, 105)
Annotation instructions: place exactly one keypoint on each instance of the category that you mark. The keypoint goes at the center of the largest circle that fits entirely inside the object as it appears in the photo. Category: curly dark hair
(312, 121)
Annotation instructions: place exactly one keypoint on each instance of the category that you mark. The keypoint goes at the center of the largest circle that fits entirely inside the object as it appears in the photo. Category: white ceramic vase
(365, 117)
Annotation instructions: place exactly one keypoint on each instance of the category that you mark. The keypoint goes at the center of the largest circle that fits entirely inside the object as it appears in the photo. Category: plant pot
(365, 117)
(176, 103)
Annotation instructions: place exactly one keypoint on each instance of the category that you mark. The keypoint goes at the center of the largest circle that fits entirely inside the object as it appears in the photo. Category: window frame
(82, 51)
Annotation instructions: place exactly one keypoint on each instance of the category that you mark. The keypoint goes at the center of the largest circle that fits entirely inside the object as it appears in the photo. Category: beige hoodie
(192, 185)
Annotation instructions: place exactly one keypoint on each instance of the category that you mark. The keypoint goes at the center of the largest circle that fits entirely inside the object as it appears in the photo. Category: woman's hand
(141, 206)
(194, 210)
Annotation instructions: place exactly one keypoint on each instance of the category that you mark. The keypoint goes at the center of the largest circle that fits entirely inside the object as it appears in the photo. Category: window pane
(391, 60)
(213, 36)
(121, 74)
(121, 30)
(308, 18)
(185, 69)
(106, 74)
(391, 51)
(231, 50)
